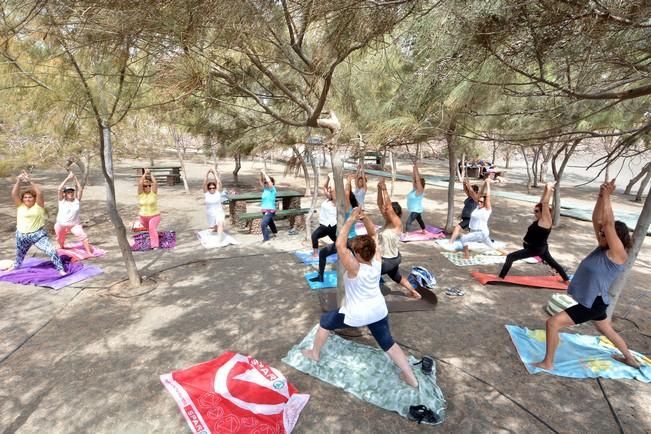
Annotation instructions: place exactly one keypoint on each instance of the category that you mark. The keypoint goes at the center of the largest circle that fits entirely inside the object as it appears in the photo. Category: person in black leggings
(327, 218)
(535, 241)
(331, 249)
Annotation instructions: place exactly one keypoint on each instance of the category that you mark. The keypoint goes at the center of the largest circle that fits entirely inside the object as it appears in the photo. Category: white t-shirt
(360, 195)
(328, 213)
(68, 214)
(479, 219)
(364, 303)
(213, 201)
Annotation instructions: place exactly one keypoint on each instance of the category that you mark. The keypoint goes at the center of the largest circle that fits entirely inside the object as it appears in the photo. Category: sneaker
(454, 292)
(316, 279)
(422, 414)
(426, 365)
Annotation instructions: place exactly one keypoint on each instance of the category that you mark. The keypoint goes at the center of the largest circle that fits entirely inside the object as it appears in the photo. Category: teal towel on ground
(577, 356)
(329, 280)
(368, 373)
(307, 258)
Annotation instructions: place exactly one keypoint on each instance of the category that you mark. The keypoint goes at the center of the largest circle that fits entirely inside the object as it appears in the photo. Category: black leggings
(414, 216)
(323, 231)
(328, 250)
(391, 267)
(530, 252)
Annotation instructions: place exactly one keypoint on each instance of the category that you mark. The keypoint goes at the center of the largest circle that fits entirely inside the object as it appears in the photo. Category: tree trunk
(639, 234)
(323, 154)
(106, 156)
(336, 160)
(238, 166)
(558, 176)
(526, 164)
(179, 154)
(450, 138)
(392, 162)
(645, 181)
(534, 166)
(495, 147)
(636, 178)
(315, 194)
(507, 157)
(306, 173)
(544, 166)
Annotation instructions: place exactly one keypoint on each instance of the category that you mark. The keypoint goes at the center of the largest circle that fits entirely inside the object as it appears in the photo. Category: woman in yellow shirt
(148, 201)
(30, 223)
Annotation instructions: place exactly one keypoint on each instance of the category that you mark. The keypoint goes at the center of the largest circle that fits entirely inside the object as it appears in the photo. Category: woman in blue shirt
(592, 280)
(267, 205)
(415, 201)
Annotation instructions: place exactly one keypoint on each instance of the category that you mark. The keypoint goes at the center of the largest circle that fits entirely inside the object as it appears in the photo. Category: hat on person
(68, 189)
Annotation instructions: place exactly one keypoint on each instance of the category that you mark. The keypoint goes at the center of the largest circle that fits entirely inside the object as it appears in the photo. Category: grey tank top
(593, 278)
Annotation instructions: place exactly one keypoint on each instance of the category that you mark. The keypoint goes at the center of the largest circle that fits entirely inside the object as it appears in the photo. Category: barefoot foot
(632, 362)
(543, 365)
(310, 354)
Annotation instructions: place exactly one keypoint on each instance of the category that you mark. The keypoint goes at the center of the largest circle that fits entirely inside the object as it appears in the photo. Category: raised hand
(356, 214)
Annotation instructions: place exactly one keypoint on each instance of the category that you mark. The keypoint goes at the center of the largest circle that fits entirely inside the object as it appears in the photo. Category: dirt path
(88, 359)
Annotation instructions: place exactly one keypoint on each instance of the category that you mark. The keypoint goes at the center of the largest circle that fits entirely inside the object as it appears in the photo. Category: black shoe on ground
(426, 364)
(422, 414)
(316, 279)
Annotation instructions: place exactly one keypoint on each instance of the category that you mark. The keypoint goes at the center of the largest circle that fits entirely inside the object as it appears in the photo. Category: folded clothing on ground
(211, 239)
(77, 252)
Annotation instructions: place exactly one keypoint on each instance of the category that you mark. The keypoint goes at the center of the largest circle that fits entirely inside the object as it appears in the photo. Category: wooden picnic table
(171, 175)
(237, 202)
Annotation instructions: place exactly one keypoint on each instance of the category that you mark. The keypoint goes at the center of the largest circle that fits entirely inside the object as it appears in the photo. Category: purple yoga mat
(41, 272)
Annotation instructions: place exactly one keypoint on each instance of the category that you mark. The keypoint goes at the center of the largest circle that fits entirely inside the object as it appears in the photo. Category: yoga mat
(76, 252)
(306, 257)
(577, 356)
(368, 374)
(166, 240)
(329, 280)
(41, 272)
(473, 247)
(547, 282)
(210, 239)
(235, 393)
(360, 229)
(431, 233)
(475, 259)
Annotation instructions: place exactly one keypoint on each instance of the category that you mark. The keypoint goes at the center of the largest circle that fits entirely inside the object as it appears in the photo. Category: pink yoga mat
(76, 252)
(431, 233)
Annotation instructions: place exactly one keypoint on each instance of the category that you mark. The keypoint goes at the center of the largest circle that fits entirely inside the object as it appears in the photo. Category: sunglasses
(146, 186)
(212, 188)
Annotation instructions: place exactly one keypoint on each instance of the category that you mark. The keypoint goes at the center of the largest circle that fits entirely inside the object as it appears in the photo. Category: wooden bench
(169, 175)
(252, 220)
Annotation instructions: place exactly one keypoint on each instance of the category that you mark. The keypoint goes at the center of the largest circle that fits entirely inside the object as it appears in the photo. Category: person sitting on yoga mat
(365, 304)
(478, 225)
(212, 192)
(592, 280)
(469, 205)
(327, 218)
(68, 219)
(389, 237)
(535, 241)
(30, 223)
(267, 206)
(361, 187)
(350, 202)
(149, 214)
(415, 200)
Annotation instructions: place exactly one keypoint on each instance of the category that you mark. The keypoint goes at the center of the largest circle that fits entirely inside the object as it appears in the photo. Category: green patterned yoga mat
(367, 373)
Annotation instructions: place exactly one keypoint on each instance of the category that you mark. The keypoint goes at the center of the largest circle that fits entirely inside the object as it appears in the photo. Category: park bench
(252, 220)
(168, 175)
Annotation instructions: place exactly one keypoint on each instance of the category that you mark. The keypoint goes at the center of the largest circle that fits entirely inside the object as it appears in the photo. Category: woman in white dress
(212, 190)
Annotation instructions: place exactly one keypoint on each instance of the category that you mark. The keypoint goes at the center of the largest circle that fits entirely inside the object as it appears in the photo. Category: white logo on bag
(266, 388)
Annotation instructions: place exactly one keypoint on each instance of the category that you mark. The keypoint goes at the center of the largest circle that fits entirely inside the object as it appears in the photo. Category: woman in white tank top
(68, 219)
(364, 304)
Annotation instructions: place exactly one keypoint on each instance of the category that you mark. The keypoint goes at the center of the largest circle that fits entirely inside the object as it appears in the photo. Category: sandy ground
(88, 357)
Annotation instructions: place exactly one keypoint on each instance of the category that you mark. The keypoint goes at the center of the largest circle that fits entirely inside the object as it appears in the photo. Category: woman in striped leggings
(30, 223)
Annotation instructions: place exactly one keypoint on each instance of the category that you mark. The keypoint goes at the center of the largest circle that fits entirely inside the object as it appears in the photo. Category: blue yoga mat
(329, 280)
(577, 356)
(306, 257)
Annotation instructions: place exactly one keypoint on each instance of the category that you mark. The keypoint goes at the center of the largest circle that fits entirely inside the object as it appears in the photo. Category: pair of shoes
(422, 414)
(426, 364)
(454, 292)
